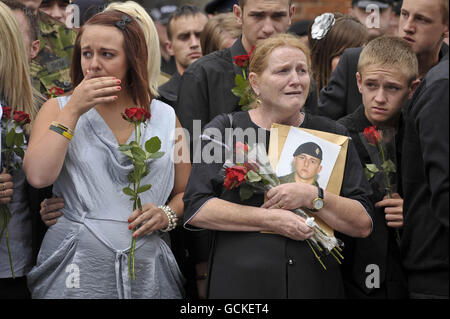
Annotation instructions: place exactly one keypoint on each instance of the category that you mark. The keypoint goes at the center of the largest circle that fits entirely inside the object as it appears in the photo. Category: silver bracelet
(173, 218)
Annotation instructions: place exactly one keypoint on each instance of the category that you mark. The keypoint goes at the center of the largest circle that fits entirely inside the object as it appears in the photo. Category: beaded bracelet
(61, 131)
(173, 218)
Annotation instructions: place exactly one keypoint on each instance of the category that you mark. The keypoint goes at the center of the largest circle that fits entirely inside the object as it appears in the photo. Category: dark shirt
(168, 92)
(425, 239)
(380, 247)
(168, 67)
(341, 96)
(261, 265)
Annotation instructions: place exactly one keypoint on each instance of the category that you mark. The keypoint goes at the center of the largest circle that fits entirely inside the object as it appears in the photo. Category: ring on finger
(3, 186)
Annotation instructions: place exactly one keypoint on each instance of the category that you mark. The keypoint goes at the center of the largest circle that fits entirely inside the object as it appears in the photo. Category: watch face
(318, 203)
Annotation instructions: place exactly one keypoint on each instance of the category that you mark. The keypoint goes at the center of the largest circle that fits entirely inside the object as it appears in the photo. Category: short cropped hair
(242, 3)
(33, 21)
(183, 11)
(390, 51)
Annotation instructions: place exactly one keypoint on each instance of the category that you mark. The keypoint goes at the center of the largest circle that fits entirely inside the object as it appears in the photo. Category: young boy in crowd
(387, 78)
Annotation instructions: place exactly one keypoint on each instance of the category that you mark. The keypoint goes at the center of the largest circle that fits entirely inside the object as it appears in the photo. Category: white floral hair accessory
(322, 24)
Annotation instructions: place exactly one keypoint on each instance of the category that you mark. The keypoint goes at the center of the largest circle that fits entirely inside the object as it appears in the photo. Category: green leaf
(389, 166)
(138, 154)
(240, 81)
(10, 137)
(155, 155)
(372, 168)
(19, 151)
(18, 139)
(128, 191)
(245, 192)
(369, 174)
(146, 171)
(124, 147)
(253, 177)
(144, 188)
(132, 177)
(153, 145)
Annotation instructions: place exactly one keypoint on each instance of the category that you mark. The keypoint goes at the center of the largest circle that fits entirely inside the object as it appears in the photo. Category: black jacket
(168, 92)
(380, 247)
(425, 240)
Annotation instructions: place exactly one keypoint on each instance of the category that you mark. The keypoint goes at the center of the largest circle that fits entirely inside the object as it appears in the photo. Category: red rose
(55, 91)
(252, 166)
(241, 60)
(21, 117)
(372, 135)
(235, 176)
(6, 112)
(135, 114)
(241, 147)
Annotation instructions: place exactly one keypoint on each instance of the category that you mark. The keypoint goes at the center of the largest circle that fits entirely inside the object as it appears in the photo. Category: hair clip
(322, 24)
(122, 23)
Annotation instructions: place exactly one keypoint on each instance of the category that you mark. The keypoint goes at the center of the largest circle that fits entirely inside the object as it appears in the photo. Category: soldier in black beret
(307, 163)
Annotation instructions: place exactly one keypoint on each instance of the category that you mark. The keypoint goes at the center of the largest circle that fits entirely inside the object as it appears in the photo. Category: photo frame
(278, 138)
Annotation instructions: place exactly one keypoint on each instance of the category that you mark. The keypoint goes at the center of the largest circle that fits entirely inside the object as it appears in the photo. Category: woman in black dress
(258, 249)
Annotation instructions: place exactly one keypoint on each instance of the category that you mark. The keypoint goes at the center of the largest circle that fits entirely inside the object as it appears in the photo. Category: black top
(341, 96)
(380, 247)
(168, 67)
(257, 265)
(425, 239)
(168, 92)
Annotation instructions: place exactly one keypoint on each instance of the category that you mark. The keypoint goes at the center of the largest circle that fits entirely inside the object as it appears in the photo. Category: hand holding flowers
(139, 157)
(253, 173)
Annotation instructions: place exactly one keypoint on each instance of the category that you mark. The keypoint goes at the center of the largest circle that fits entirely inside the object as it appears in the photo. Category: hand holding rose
(393, 208)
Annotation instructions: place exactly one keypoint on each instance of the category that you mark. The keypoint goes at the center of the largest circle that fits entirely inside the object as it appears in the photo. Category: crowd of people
(74, 70)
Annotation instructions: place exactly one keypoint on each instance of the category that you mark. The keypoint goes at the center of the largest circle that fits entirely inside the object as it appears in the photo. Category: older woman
(259, 249)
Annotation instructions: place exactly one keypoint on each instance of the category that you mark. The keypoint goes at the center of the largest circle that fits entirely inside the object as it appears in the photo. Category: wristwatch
(318, 202)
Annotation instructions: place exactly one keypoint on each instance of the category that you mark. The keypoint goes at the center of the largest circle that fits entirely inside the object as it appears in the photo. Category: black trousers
(14, 288)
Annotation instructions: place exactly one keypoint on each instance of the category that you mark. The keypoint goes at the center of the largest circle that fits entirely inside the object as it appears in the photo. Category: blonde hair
(151, 38)
(15, 83)
(391, 52)
(211, 38)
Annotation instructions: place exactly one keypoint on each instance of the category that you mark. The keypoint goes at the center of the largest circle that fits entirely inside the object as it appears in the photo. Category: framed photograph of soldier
(307, 158)
(333, 148)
